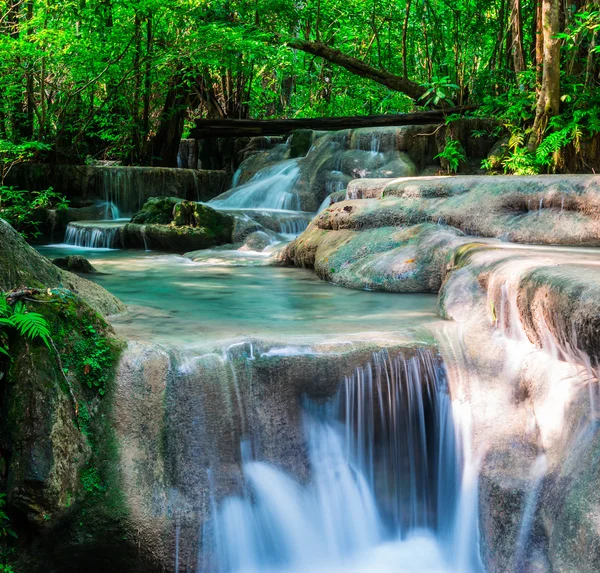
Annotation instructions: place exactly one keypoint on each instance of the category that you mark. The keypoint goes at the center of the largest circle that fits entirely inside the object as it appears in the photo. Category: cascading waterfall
(385, 455)
(94, 234)
(292, 226)
(271, 188)
(119, 189)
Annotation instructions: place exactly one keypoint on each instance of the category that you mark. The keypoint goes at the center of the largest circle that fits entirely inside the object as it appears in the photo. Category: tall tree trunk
(147, 79)
(404, 34)
(27, 128)
(548, 103)
(165, 144)
(518, 51)
(539, 43)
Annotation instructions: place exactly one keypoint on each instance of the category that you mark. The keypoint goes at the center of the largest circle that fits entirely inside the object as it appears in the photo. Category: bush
(22, 209)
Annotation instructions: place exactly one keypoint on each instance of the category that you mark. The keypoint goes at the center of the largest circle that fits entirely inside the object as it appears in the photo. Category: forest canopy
(124, 79)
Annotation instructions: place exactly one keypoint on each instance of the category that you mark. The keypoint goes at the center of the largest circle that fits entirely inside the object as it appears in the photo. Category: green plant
(12, 154)
(21, 208)
(27, 324)
(91, 481)
(5, 527)
(91, 356)
(453, 154)
(439, 90)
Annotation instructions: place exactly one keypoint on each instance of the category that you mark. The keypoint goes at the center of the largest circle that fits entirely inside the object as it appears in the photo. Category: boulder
(387, 258)
(21, 265)
(156, 211)
(257, 241)
(74, 263)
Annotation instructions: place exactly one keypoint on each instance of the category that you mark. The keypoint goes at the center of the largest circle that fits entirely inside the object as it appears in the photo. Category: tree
(548, 103)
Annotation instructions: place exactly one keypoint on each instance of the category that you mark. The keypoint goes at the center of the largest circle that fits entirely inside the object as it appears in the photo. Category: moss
(157, 210)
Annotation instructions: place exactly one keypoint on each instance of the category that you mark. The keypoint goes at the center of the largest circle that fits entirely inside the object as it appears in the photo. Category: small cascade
(94, 234)
(122, 188)
(270, 188)
(292, 226)
(385, 456)
(538, 471)
(111, 211)
(236, 177)
(375, 143)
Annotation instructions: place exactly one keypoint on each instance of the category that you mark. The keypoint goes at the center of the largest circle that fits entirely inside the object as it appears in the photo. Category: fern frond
(32, 325)
(4, 308)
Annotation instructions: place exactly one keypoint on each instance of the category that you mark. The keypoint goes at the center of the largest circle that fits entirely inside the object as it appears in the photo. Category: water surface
(174, 300)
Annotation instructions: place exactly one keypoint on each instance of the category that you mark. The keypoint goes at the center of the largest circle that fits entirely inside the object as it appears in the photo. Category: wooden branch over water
(206, 128)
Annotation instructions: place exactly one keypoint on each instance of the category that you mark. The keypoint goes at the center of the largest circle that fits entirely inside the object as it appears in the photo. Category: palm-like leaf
(32, 325)
(4, 308)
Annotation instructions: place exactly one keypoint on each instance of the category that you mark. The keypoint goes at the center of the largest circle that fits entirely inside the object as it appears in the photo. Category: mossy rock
(300, 142)
(157, 210)
(21, 265)
(74, 263)
(56, 431)
(209, 232)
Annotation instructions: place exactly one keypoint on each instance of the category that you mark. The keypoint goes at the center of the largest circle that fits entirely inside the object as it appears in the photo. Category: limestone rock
(156, 211)
(74, 263)
(21, 265)
(257, 241)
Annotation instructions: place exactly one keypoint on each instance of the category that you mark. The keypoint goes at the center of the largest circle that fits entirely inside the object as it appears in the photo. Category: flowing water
(385, 455)
(270, 188)
(95, 234)
(392, 478)
(172, 299)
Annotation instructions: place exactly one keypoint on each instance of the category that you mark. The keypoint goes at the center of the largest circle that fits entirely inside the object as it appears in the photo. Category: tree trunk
(517, 37)
(539, 42)
(358, 67)
(206, 128)
(165, 144)
(147, 79)
(404, 34)
(548, 103)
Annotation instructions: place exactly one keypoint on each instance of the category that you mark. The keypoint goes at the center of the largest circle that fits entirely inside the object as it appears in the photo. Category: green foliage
(91, 481)
(97, 80)
(5, 527)
(439, 91)
(12, 154)
(90, 355)
(453, 154)
(17, 318)
(22, 209)
(6, 532)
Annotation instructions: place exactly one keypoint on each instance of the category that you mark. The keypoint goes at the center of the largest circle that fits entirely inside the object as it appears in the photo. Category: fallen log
(207, 128)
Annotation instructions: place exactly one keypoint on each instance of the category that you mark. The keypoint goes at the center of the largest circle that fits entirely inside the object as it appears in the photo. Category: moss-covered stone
(21, 265)
(56, 433)
(74, 263)
(157, 210)
(299, 142)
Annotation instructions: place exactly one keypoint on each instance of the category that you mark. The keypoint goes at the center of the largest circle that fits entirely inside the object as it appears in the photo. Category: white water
(383, 496)
(538, 471)
(94, 234)
(271, 188)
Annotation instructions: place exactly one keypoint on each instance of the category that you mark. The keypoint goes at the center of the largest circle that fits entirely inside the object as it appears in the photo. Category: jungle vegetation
(124, 79)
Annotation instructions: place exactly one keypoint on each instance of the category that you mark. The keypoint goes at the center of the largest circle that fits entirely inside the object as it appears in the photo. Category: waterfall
(94, 234)
(538, 472)
(383, 494)
(271, 188)
(111, 211)
(122, 188)
(292, 226)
